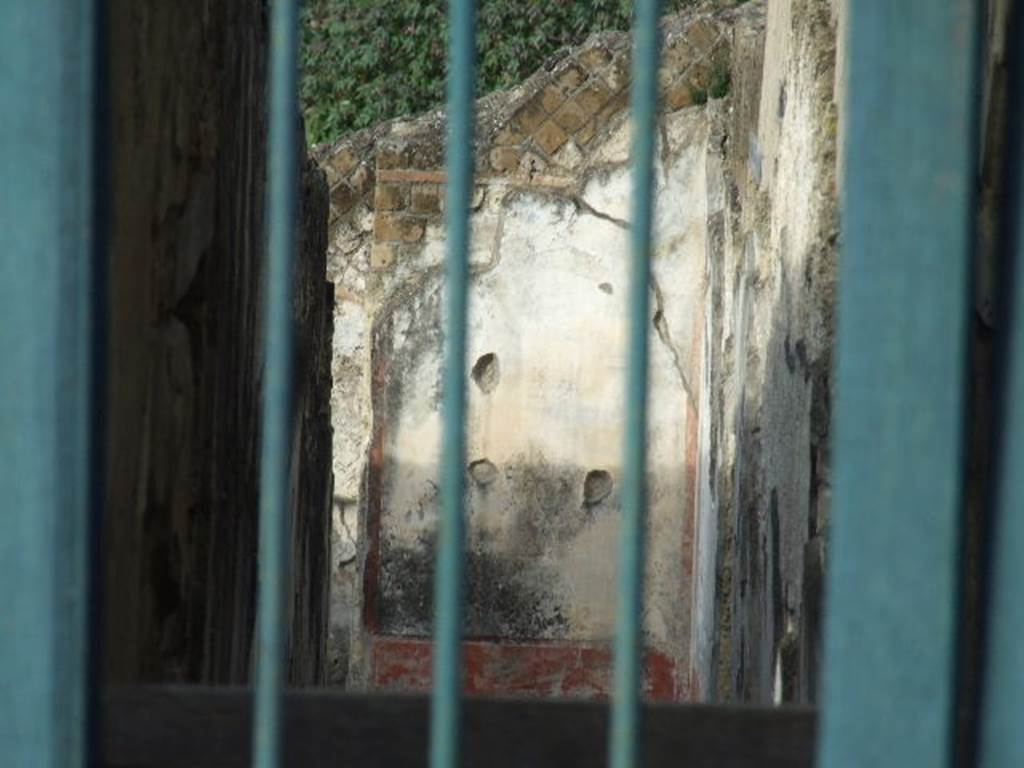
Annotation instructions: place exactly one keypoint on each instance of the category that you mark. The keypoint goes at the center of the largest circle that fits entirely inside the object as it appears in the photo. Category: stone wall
(188, 179)
(764, 455)
(547, 357)
(764, 458)
(742, 329)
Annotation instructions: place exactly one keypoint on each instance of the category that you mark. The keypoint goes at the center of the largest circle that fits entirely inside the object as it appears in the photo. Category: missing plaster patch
(486, 372)
(596, 487)
(483, 472)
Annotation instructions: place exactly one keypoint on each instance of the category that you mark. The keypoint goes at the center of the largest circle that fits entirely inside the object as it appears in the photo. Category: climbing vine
(369, 60)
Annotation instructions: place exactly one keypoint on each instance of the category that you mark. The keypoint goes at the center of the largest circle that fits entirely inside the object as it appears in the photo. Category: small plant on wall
(717, 83)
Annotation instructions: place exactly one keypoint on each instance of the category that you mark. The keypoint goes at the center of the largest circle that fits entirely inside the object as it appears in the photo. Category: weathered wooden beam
(193, 727)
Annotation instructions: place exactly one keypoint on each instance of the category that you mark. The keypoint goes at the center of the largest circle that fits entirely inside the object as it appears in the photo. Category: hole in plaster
(596, 486)
(486, 372)
(607, 288)
(483, 472)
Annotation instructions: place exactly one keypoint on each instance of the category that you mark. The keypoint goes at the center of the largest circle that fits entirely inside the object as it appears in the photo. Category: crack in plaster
(660, 324)
(665, 336)
(585, 207)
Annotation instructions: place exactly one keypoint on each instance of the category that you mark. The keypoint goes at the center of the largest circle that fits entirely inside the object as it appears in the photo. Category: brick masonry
(537, 138)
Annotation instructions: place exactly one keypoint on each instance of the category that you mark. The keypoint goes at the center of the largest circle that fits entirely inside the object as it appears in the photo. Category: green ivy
(365, 61)
(721, 81)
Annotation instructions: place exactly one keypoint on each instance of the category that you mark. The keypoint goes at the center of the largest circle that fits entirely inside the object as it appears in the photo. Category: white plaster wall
(549, 301)
(549, 256)
(765, 462)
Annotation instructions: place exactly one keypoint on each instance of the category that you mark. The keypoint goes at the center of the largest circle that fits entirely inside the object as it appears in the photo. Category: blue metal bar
(624, 751)
(904, 303)
(49, 324)
(446, 706)
(275, 538)
(1002, 734)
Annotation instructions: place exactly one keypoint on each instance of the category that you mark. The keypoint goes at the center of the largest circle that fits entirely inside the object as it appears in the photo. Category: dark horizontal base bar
(198, 727)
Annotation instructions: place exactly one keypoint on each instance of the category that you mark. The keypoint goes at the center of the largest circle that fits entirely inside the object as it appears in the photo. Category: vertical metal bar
(446, 705)
(1002, 735)
(50, 266)
(904, 302)
(624, 749)
(274, 528)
